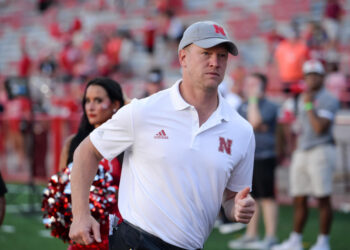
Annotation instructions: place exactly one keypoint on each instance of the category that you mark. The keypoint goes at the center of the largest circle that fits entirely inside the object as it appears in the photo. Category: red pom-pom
(56, 203)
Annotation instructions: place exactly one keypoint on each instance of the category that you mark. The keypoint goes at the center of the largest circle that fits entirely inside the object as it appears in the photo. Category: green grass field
(23, 230)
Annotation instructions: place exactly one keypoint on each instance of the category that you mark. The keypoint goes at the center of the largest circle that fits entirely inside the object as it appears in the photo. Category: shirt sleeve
(327, 108)
(242, 174)
(115, 135)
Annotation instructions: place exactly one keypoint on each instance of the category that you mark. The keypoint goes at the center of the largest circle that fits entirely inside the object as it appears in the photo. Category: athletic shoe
(267, 243)
(218, 223)
(242, 242)
(227, 228)
(321, 245)
(290, 244)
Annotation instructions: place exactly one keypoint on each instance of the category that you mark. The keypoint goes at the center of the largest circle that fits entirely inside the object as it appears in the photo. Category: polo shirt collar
(178, 102)
(222, 112)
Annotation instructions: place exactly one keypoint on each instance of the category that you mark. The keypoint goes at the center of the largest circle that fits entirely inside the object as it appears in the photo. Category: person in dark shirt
(262, 115)
(3, 191)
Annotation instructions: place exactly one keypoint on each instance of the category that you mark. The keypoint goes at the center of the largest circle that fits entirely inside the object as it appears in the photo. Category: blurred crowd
(47, 80)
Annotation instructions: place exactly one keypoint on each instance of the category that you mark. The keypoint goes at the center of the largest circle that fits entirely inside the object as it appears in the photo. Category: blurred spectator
(234, 94)
(273, 39)
(48, 64)
(18, 111)
(286, 137)
(103, 66)
(68, 58)
(40, 140)
(43, 5)
(76, 25)
(313, 162)
(112, 49)
(3, 95)
(3, 191)
(163, 5)
(290, 55)
(3, 99)
(171, 29)
(154, 82)
(57, 30)
(332, 19)
(262, 115)
(126, 51)
(317, 41)
(119, 49)
(336, 84)
(150, 35)
(25, 63)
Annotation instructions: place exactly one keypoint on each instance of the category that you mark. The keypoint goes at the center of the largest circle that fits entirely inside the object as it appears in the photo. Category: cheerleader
(102, 98)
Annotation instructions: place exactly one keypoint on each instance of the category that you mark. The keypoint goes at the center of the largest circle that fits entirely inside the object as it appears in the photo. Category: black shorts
(264, 178)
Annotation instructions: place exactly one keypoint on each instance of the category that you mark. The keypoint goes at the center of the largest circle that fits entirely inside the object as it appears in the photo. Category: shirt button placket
(195, 126)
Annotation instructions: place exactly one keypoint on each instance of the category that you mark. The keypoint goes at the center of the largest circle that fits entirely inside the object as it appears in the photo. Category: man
(290, 55)
(154, 81)
(262, 115)
(313, 161)
(185, 152)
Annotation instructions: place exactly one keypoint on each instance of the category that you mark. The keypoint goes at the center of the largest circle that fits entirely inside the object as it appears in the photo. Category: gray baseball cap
(207, 34)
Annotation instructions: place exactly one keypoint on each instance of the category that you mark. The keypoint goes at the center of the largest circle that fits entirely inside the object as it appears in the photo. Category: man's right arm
(84, 229)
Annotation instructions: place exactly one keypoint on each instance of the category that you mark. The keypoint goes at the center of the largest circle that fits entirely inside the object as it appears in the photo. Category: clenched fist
(244, 206)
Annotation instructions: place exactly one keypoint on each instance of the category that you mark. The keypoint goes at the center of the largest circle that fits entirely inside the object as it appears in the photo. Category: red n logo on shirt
(219, 29)
(225, 145)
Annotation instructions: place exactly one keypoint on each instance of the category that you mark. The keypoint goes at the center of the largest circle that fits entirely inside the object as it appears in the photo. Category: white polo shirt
(175, 172)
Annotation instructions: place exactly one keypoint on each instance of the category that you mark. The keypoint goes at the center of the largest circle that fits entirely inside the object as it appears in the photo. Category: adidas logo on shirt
(161, 135)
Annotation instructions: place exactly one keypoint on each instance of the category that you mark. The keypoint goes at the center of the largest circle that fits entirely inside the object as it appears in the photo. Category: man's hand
(244, 206)
(254, 91)
(308, 96)
(85, 230)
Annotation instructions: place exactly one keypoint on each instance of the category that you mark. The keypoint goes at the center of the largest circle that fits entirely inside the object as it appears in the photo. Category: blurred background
(49, 49)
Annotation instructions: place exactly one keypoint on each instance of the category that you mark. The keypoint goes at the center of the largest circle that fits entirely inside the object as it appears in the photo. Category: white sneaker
(241, 243)
(227, 228)
(290, 244)
(218, 223)
(320, 245)
(266, 243)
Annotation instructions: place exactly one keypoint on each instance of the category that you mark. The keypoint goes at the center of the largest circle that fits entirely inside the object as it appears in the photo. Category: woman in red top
(102, 98)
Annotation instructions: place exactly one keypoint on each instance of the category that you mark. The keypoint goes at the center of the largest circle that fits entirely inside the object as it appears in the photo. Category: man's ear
(182, 57)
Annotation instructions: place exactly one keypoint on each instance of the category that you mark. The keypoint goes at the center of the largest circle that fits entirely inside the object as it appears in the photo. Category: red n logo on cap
(225, 145)
(219, 29)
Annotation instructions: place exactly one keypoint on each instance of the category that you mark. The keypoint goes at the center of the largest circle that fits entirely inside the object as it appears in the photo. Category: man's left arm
(240, 206)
